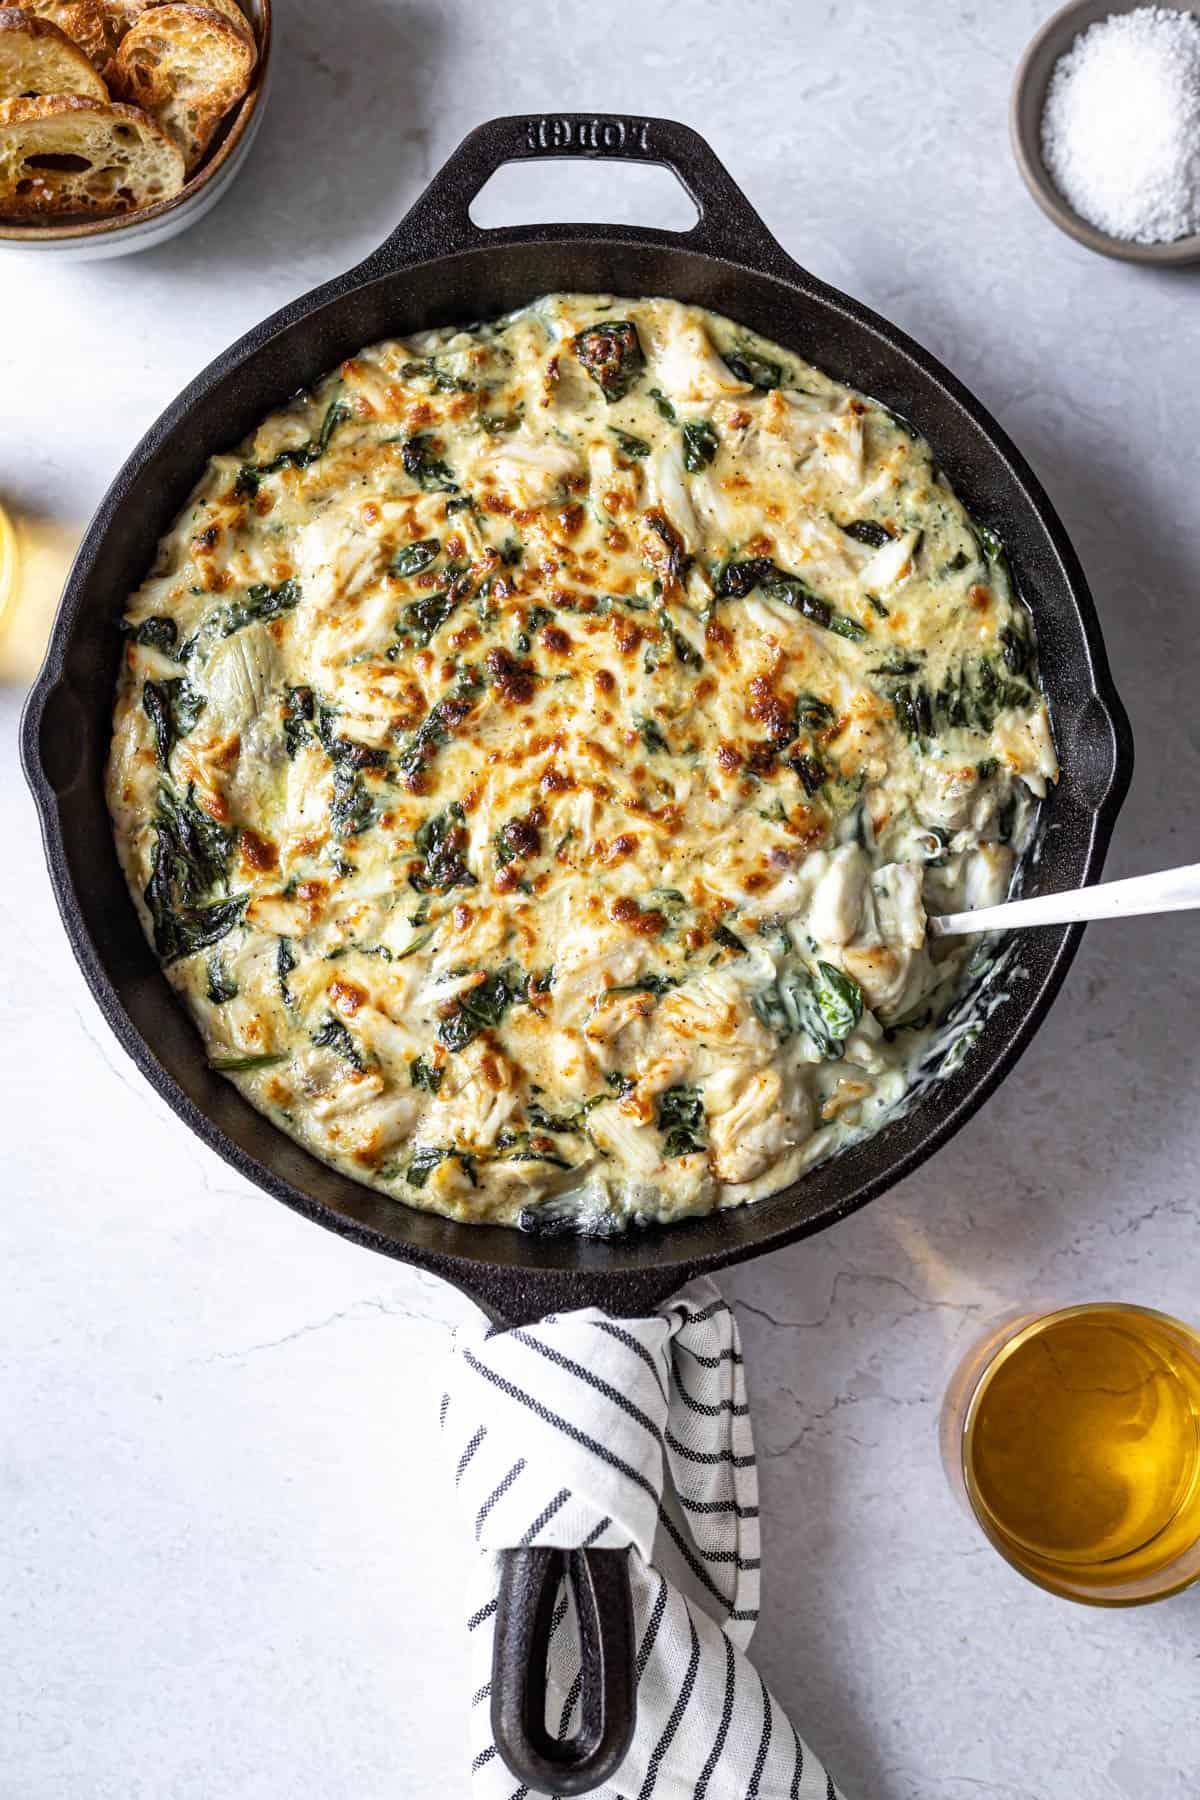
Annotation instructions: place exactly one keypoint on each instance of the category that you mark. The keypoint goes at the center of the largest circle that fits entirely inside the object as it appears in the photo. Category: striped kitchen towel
(588, 1430)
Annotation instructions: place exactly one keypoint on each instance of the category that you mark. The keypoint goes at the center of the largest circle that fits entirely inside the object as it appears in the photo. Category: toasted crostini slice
(186, 65)
(122, 15)
(80, 20)
(37, 58)
(62, 154)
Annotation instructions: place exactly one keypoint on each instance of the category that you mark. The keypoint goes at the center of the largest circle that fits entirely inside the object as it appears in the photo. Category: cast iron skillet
(439, 268)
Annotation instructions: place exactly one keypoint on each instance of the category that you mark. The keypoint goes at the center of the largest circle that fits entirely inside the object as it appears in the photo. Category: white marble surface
(229, 1565)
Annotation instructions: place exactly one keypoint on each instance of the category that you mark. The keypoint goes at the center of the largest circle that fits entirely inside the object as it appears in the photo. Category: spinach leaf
(799, 596)
(298, 707)
(260, 603)
(652, 737)
(343, 752)
(868, 531)
(968, 699)
(423, 1074)
(439, 725)
(658, 985)
(571, 1123)
(516, 841)
(535, 619)
(158, 633)
(336, 414)
(728, 940)
(285, 962)
(680, 1118)
(700, 445)
(811, 771)
(826, 1007)
(443, 381)
(423, 619)
(221, 986)
(813, 713)
(482, 1007)
(300, 457)
(788, 1005)
(428, 1157)
(511, 552)
(192, 852)
(191, 857)
(958, 1049)
(678, 562)
(663, 406)
(351, 811)
(734, 580)
(992, 547)
(417, 943)
(737, 579)
(413, 559)
(441, 840)
(685, 651)
(913, 709)
(334, 1036)
(612, 355)
(994, 694)
(629, 445)
(523, 1146)
(427, 469)
(173, 708)
(840, 1000)
(759, 371)
(900, 665)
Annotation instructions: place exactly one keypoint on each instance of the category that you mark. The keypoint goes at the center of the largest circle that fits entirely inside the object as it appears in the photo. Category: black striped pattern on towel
(634, 1432)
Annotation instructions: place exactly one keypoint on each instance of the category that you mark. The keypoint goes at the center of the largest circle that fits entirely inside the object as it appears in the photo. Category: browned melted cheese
(536, 751)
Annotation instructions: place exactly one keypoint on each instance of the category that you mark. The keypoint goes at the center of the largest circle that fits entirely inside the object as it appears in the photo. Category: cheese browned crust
(537, 749)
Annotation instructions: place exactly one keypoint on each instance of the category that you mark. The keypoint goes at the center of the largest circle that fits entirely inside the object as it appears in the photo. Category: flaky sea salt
(1121, 126)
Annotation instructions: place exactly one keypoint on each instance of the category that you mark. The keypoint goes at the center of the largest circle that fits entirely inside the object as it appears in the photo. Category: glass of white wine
(1074, 1438)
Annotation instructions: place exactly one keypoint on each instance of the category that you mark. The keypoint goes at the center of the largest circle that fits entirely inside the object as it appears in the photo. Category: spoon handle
(1170, 890)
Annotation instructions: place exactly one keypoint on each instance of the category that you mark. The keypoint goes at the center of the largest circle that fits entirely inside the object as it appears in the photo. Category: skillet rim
(511, 1273)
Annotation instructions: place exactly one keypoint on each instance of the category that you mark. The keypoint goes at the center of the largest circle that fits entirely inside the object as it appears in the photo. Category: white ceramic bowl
(96, 238)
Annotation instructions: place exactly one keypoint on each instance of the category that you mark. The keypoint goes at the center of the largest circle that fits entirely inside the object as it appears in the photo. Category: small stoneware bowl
(1025, 128)
(92, 239)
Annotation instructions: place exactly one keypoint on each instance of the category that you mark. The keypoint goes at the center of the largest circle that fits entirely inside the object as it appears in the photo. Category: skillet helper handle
(529, 1581)
(440, 222)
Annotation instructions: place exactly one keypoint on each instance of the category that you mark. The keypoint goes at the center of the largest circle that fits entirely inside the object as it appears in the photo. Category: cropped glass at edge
(1118, 1581)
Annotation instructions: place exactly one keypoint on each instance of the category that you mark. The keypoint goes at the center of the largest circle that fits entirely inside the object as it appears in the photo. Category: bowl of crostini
(122, 122)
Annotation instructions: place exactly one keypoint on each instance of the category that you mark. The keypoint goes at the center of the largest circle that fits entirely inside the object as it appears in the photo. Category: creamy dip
(537, 750)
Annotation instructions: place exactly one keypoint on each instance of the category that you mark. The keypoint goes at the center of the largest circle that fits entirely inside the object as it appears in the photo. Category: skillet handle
(529, 1582)
(440, 224)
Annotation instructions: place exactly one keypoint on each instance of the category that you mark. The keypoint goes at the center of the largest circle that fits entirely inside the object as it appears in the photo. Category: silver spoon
(1171, 890)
